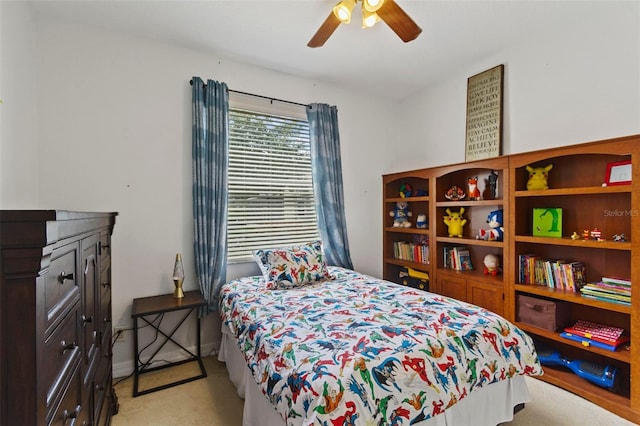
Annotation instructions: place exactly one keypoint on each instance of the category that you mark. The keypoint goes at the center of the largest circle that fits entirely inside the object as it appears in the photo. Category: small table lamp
(178, 277)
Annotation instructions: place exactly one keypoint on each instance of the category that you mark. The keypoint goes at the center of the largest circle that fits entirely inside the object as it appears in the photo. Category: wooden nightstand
(158, 305)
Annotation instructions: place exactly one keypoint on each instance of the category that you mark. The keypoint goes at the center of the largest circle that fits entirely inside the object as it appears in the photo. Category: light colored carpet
(214, 402)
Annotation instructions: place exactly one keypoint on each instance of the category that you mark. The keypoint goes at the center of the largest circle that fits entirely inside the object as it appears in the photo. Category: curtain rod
(260, 96)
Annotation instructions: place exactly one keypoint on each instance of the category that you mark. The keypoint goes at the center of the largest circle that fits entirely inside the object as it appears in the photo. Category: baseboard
(125, 368)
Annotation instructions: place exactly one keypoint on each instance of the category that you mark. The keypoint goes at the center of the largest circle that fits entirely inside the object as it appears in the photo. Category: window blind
(271, 201)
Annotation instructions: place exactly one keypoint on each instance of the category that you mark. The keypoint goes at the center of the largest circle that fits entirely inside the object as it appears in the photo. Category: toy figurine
(538, 177)
(455, 222)
(493, 184)
(472, 188)
(585, 234)
(455, 193)
(619, 237)
(421, 221)
(575, 236)
(596, 234)
(491, 264)
(401, 215)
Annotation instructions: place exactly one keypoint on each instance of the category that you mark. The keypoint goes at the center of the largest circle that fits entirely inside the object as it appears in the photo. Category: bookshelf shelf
(418, 180)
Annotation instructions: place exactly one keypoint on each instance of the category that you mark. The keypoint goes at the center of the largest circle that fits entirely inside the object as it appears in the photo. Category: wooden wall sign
(484, 114)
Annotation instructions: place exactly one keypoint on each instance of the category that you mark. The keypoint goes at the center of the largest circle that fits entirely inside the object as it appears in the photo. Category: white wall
(19, 109)
(115, 132)
(580, 85)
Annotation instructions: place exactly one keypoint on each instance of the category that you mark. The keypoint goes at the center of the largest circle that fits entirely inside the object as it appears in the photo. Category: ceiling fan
(372, 12)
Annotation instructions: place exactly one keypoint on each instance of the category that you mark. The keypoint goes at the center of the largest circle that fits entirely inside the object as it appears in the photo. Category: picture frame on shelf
(547, 222)
(618, 173)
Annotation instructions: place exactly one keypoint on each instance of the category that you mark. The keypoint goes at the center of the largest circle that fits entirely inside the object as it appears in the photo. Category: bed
(353, 349)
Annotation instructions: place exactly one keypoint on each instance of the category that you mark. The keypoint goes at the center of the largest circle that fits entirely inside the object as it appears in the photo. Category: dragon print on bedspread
(359, 350)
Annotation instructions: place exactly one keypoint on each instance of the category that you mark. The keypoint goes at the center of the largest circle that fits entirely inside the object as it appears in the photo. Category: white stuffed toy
(421, 221)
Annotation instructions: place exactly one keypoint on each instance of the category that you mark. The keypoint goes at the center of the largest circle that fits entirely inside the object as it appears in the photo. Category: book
(606, 299)
(607, 289)
(616, 280)
(622, 297)
(464, 260)
(588, 342)
(599, 332)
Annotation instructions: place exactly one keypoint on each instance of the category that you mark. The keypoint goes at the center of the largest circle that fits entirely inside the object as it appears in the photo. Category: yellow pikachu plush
(455, 222)
(538, 177)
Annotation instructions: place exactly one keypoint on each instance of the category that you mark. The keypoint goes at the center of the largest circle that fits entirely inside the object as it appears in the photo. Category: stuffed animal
(455, 222)
(401, 215)
(491, 264)
(421, 221)
(496, 230)
(538, 177)
(472, 188)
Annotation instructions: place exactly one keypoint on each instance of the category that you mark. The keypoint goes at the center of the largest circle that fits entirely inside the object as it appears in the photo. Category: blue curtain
(326, 168)
(210, 142)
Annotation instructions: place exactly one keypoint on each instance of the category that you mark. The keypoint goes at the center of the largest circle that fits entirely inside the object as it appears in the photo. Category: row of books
(412, 252)
(457, 258)
(595, 334)
(609, 289)
(554, 273)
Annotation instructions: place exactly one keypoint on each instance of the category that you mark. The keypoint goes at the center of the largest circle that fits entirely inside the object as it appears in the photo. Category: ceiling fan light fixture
(343, 10)
(369, 19)
(372, 5)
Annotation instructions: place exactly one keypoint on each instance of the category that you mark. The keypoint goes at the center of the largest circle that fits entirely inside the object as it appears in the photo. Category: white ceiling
(273, 34)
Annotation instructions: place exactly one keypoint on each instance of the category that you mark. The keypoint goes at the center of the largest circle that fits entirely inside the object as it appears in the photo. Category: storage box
(550, 315)
(547, 222)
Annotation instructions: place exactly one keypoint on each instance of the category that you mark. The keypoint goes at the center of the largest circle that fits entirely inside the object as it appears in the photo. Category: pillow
(291, 267)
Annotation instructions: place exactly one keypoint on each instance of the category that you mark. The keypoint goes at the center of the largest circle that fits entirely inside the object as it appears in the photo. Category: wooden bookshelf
(576, 186)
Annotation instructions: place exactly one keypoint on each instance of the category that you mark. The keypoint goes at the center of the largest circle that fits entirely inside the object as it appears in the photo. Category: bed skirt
(489, 406)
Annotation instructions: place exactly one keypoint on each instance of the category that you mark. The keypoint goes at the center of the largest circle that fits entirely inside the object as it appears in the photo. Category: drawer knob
(86, 319)
(67, 346)
(64, 276)
(66, 415)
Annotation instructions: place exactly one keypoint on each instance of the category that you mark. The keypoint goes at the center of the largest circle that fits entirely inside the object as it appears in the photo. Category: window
(271, 201)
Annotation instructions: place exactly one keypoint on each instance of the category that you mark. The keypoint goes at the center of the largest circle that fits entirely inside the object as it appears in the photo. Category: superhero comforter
(359, 350)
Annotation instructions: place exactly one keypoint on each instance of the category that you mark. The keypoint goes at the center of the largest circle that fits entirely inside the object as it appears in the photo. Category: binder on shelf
(598, 332)
(588, 342)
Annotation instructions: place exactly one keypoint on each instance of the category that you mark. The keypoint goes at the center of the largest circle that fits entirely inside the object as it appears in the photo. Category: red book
(598, 332)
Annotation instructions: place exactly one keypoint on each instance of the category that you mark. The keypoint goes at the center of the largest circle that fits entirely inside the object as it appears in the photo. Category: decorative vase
(178, 277)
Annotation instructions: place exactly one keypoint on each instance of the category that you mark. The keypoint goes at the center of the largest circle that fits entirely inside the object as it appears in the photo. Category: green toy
(455, 222)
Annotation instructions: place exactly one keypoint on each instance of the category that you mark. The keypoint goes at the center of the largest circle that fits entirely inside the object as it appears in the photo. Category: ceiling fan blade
(324, 32)
(398, 20)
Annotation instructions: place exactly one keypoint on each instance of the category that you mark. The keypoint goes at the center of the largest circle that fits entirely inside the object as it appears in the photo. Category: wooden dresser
(55, 318)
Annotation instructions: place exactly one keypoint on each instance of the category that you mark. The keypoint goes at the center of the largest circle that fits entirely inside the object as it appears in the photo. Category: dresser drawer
(61, 354)
(62, 289)
(101, 384)
(70, 411)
